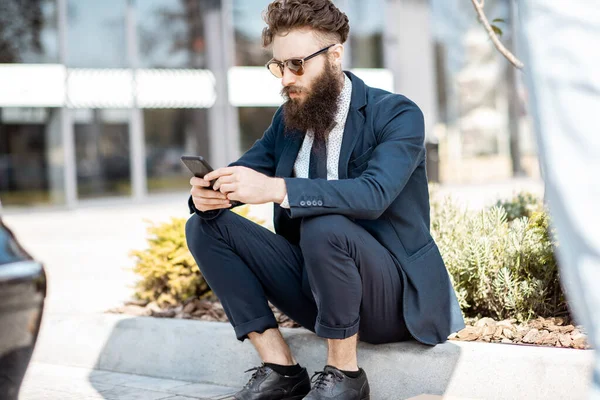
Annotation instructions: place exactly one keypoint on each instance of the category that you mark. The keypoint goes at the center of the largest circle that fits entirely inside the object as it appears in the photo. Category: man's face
(299, 44)
(311, 98)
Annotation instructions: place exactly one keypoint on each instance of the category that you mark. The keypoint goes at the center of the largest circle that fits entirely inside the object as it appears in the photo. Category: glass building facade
(99, 99)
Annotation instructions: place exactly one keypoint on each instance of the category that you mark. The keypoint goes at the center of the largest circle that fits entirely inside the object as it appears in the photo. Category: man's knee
(194, 230)
(322, 232)
(198, 228)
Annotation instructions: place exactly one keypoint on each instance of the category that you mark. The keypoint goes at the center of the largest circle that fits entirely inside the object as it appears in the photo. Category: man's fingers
(199, 182)
(199, 192)
(217, 173)
(233, 196)
(210, 202)
(228, 188)
(223, 180)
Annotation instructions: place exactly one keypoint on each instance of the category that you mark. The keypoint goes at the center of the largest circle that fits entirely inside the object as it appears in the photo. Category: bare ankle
(272, 348)
(342, 353)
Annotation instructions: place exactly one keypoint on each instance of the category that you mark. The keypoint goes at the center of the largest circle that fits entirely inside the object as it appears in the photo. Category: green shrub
(169, 274)
(500, 268)
(523, 204)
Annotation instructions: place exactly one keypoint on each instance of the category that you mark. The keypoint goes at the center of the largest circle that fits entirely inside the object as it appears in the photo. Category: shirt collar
(344, 100)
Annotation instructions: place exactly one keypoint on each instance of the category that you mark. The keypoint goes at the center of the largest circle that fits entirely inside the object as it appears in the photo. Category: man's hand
(206, 199)
(248, 186)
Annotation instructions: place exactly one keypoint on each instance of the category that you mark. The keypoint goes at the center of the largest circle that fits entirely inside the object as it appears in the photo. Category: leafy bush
(523, 204)
(169, 274)
(500, 268)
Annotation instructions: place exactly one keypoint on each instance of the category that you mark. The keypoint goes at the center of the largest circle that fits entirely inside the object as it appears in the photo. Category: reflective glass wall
(366, 32)
(133, 73)
(96, 39)
(169, 133)
(102, 152)
(31, 167)
(28, 31)
(30, 163)
(96, 34)
(476, 97)
(248, 25)
(130, 77)
(171, 35)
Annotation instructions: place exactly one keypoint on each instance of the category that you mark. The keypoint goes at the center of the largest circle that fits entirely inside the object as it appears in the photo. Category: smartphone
(200, 167)
(197, 165)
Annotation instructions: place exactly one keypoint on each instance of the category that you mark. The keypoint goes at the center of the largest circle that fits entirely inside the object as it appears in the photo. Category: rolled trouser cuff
(258, 325)
(329, 332)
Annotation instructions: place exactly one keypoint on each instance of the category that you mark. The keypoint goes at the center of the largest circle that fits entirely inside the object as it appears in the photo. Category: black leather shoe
(266, 384)
(331, 383)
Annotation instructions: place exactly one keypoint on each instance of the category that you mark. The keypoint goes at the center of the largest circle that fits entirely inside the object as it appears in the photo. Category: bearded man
(352, 257)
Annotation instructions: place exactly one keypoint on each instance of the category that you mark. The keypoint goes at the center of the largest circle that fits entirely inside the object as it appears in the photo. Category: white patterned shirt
(333, 142)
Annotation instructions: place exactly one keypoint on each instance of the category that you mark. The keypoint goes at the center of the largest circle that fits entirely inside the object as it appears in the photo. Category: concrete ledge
(208, 352)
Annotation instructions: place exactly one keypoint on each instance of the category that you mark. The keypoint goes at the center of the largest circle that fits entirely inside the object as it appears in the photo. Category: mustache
(286, 90)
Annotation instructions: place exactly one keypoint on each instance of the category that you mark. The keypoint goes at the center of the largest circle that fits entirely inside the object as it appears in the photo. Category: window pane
(366, 33)
(31, 167)
(96, 34)
(254, 121)
(102, 152)
(475, 104)
(28, 31)
(248, 25)
(171, 133)
(170, 34)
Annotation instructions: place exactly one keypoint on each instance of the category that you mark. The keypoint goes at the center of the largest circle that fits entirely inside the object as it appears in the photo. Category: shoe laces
(323, 379)
(258, 373)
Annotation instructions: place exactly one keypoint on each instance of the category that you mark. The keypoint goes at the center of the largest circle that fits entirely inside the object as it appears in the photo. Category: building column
(137, 144)
(66, 119)
(409, 53)
(224, 134)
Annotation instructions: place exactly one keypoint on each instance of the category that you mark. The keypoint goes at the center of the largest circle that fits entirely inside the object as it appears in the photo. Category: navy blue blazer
(382, 186)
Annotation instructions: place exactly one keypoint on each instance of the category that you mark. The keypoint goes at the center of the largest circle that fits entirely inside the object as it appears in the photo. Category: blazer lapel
(352, 131)
(354, 123)
(285, 167)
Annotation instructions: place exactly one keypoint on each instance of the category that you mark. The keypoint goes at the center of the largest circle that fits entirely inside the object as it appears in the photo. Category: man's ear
(337, 53)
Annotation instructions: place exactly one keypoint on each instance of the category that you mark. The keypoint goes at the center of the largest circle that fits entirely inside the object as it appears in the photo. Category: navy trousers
(338, 281)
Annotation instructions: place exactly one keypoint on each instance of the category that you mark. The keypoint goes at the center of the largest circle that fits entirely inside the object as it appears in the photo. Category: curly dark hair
(323, 16)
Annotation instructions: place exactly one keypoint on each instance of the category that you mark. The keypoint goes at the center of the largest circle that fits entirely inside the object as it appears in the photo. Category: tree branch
(505, 52)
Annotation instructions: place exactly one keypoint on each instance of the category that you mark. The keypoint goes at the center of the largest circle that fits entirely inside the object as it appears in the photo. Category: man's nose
(288, 78)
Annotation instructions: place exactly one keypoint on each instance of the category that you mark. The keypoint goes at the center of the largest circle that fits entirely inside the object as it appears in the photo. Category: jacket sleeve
(399, 152)
(260, 157)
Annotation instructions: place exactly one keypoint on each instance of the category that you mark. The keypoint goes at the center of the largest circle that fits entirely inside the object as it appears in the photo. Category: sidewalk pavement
(59, 382)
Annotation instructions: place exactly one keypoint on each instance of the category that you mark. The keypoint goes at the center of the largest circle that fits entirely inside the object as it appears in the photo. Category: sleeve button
(302, 203)
(319, 203)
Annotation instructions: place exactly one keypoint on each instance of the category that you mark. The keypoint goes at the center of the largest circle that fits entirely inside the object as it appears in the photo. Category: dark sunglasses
(295, 65)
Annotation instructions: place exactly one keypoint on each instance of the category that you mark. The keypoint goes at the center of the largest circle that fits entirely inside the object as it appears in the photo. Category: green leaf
(497, 30)
(499, 20)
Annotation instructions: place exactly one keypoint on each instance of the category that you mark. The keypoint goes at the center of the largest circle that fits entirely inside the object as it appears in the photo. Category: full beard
(317, 112)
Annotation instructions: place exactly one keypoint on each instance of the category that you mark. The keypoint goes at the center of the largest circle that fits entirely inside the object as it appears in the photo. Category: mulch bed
(201, 310)
(552, 332)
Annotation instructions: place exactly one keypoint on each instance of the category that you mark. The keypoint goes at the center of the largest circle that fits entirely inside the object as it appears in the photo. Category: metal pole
(217, 114)
(137, 146)
(66, 120)
(232, 122)
(514, 102)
